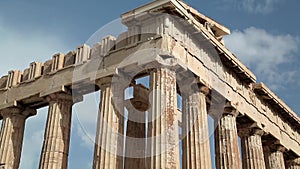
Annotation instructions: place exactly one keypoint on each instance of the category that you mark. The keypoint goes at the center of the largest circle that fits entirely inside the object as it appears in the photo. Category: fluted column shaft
(11, 136)
(196, 147)
(226, 143)
(135, 150)
(252, 150)
(57, 135)
(163, 133)
(109, 141)
(293, 164)
(274, 157)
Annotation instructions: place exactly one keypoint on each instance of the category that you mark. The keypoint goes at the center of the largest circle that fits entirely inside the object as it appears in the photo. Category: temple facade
(182, 53)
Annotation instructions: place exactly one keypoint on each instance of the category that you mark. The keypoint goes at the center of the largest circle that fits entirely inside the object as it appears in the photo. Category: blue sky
(265, 36)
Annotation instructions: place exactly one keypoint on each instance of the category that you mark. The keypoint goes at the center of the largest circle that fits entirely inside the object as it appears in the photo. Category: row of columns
(56, 139)
(163, 149)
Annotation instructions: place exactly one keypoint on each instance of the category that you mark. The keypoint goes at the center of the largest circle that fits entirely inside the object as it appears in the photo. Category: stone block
(14, 78)
(47, 67)
(70, 58)
(134, 34)
(108, 44)
(3, 82)
(82, 53)
(96, 50)
(122, 40)
(25, 75)
(35, 70)
(57, 62)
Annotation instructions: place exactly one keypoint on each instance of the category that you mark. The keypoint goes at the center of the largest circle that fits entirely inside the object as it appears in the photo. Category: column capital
(230, 109)
(29, 112)
(275, 147)
(60, 96)
(248, 129)
(293, 161)
(204, 89)
(119, 78)
(10, 111)
(13, 111)
(163, 67)
(244, 132)
(194, 88)
(278, 147)
(65, 96)
(103, 82)
(257, 131)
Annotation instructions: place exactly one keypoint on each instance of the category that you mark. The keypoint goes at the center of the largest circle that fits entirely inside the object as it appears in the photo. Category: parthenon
(182, 54)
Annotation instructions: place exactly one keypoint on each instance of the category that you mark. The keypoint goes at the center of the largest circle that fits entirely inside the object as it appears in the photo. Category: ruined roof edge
(194, 22)
(266, 91)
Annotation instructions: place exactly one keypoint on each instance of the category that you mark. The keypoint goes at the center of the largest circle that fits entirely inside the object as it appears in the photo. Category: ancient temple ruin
(183, 54)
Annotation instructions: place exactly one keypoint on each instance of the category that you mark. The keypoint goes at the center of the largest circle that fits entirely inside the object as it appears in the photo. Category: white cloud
(258, 6)
(252, 6)
(265, 53)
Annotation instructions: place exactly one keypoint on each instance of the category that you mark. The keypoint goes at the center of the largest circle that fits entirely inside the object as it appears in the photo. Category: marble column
(57, 135)
(293, 163)
(196, 147)
(252, 150)
(163, 129)
(11, 136)
(226, 142)
(109, 141)
(274, 156)
(135, 149)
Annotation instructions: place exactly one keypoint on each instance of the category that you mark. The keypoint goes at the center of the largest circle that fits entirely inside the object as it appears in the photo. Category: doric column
(163, 144)
(252, 150)
(196, 147)
(135, 147)
(226, 142)
(293, 163)
(11, 136)
(109, 141)
(57, 134)
(274, 156)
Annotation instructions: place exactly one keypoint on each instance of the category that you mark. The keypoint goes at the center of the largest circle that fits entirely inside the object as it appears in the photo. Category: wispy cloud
(267, 54)
(252, 6)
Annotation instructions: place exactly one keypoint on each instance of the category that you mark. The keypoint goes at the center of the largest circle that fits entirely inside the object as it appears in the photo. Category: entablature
(266, 94)
(193, 21)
